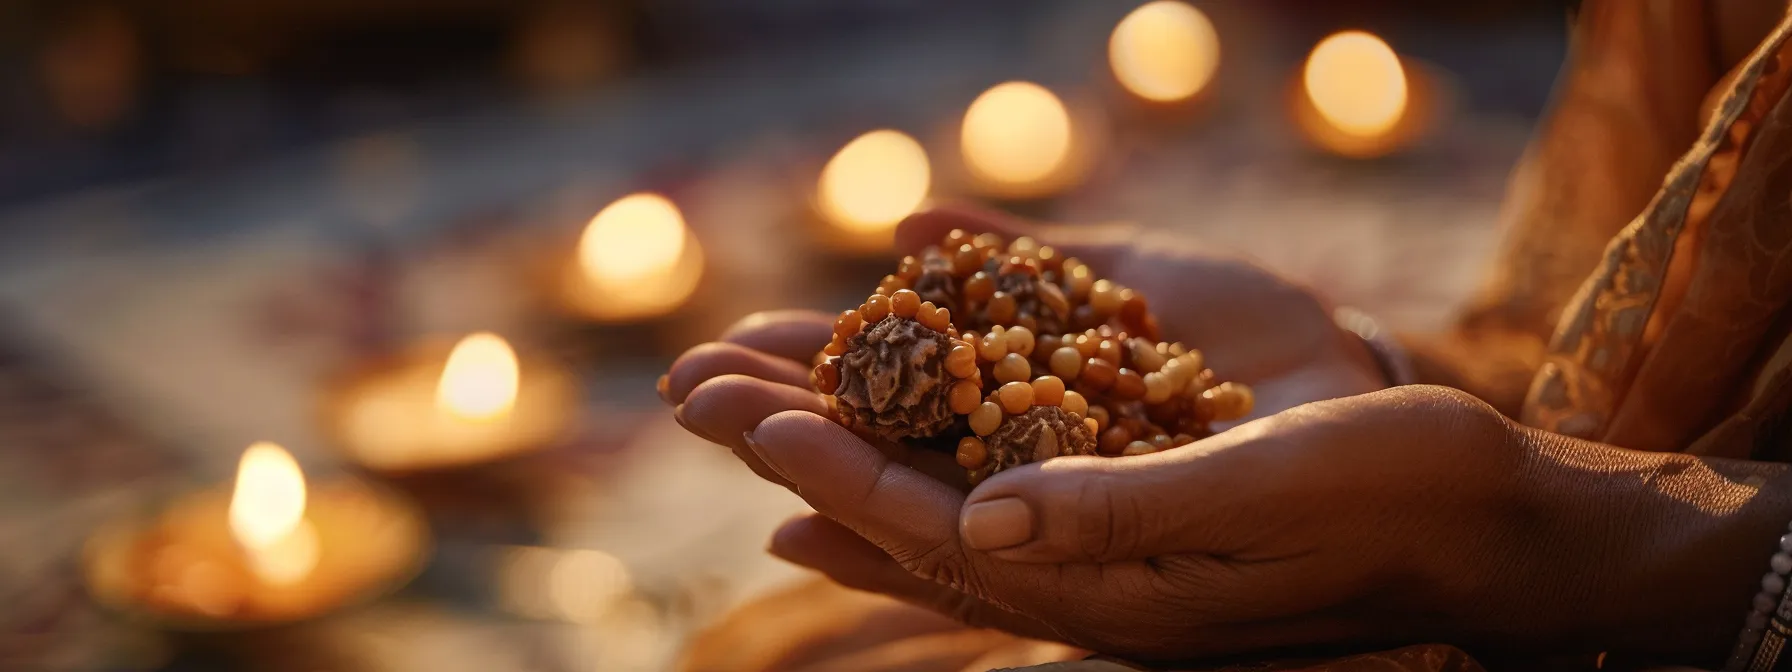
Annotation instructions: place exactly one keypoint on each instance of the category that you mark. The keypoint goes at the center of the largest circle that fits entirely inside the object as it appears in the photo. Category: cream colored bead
(1020, 341)
(1048, 391)
(1013, 368)
(986, 418)
(1076, 403)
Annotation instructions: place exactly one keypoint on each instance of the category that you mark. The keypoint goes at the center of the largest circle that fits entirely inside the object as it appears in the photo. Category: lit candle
(870, 185)
(268, 550)
(423, 411)
(1018, 141)
(635, 260)
(1356, 98)
(1164, 52)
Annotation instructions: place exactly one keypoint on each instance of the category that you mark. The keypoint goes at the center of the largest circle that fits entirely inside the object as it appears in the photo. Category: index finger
(791, 334)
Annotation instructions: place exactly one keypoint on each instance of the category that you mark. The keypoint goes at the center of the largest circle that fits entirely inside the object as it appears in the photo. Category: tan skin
(1363, 518)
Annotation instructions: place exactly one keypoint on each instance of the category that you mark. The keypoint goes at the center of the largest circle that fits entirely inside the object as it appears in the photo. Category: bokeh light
(1356, 83)
(1015, 134)
(1164, 51)
(874, 181)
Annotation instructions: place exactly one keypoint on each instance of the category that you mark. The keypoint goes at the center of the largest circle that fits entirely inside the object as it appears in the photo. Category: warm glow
(267, 515)
(1164, 51)
(1356, 83)
(638, 236)
(480, 380)
(876, 180)
(1016, 133)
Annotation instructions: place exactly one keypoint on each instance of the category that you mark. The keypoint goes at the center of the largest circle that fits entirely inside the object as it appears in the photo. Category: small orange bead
(1099, 374)
(905, 303)
(1104, 297)
(1142, 356)
(1001, 308)
(994, 345)
(1020, 341)
(987, 241)
(1023, 246)
(876, 308)
(1079, 281)
(1084, 316)
(986, 418)
(972, 454)
(1046, 344)
(1015, 398)
(1231, 401)
(1157, 388)
(964, 397)
(961, 361)
(1100, 414)
(1013, 368)
(1160, 441)
(1138, 448)
(890, 284)
(835, 349)
(934, 317)
(1074, 401)
(1108, 350)
(957, 237)
(966, 260)
(980, 287)
(1053, 299)
(1112, 440)
(826, 377)
(1128, 385)
(1091, 425)
(848, 323)
(1066, 363)
(1087, 344)
(1048, 391)
(1182, 440)
(909, 269)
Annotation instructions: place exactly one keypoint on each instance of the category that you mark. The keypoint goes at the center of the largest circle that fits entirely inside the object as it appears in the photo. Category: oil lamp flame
(1164, 51)
(480, 381)
(874, 181)
(267, 515)
(639, 236)
(1356, 83)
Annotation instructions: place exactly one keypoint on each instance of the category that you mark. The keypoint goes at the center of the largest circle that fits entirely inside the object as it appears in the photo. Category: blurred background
(231, 222)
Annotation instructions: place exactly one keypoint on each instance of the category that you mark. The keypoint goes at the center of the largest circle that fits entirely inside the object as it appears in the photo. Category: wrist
(1650, 554)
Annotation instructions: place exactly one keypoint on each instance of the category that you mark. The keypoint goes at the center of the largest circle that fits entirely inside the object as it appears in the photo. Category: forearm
(1655, 554)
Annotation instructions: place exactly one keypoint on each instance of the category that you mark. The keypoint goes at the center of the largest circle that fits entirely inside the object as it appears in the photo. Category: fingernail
(664, 387)
(996, 524)
(763, 457)
(678, 417)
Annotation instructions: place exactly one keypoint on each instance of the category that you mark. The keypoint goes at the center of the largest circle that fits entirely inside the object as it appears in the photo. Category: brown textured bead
(965, 396)
(972, 454)
(1054, 299)
(986, 418)
(1099, 374)
(1048, 391)
(876, 308)
(1066, 363)
(994, 345)
(1001, 308)
(966, 260)
(1112, 440)
(979, 287)
(961, 361)
(826, 377)
(1074, 401)
(1231, 401)
(1128, 385)
(934, 317)
(1015, 398)
(1105, 297)
(1020, 341)
(905, 303)
(848, 324)
(1013, 368)
(1138, 448)
(909, 269)
(1157, 388)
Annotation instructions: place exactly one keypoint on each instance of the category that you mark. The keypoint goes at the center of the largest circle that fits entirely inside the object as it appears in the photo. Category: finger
(1089, 509)
(791, 334)
(816, 542)
(912, 517)
(711, 360)
(1100, 245)
(723, 409)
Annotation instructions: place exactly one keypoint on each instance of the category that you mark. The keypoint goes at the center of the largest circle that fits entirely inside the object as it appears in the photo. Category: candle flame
(480, 380)
(267, 515)
(1164, 51)
(1016, 133)
(638, 236)
(1356, 83)
(874, 181)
